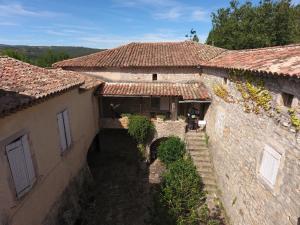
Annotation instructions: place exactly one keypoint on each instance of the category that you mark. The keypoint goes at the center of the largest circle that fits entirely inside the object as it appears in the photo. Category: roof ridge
(266, 48)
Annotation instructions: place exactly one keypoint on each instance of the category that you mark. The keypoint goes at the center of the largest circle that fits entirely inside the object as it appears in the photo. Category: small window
(287, 99)
(154, 76)
(270, 165)
(64, 130)
(155, 103)
(21, 166)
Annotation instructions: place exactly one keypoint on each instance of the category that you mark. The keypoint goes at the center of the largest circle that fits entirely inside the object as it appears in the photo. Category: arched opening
(154, 148)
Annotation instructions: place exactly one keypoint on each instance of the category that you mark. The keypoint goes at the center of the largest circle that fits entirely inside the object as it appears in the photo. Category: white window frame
(64, 130)
(21, 165)
(269, 166)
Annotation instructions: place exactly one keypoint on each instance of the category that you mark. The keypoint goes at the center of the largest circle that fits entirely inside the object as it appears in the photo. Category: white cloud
(8, 24)
(168, 9)
(296, 2)
(17, 9)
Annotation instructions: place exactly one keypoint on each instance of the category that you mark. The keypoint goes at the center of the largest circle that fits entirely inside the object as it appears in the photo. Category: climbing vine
(221, 91)
(295, 121)
(255, 96)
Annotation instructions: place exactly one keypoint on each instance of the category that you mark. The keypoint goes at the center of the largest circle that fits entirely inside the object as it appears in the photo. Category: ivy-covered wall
(246, 115)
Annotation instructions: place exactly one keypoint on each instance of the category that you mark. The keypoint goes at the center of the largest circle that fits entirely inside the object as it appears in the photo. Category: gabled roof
(22, 84)
(279, 60)
(160, 54)
(193, 91)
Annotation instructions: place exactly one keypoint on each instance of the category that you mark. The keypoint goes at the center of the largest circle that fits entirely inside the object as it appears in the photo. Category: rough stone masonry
(238, 140)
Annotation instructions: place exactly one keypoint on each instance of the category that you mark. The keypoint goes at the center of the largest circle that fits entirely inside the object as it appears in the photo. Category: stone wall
(169, 128)
(237, 141)
(145, 74)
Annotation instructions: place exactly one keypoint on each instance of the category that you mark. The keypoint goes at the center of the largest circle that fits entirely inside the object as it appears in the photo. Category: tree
(192, 36)
(269, 23)
(14, 54)
(50, 57)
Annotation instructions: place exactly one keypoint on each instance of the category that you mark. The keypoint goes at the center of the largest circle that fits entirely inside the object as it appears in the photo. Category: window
(155, 103)
(287, 99)
(21, 166)
(154, 76)
(269, 165)
(64, 130)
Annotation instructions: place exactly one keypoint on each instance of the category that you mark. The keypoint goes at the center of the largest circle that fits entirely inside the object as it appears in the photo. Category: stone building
(254, 139)
(149, 78)
(252, 119)
(42, 147)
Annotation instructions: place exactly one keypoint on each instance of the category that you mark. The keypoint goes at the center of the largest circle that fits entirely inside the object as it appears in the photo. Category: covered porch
(162, 101)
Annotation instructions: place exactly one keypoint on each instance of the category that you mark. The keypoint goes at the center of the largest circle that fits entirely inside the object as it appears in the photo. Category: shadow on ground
(123, 190)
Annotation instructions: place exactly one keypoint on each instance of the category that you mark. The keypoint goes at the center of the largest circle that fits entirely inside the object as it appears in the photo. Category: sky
(103, 24)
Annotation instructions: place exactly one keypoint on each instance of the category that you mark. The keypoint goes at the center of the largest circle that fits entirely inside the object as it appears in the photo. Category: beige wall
(140, 75)
(53, 170)
(237, 141)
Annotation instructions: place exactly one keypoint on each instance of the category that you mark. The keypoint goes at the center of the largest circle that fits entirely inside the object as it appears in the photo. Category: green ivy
(294, 119)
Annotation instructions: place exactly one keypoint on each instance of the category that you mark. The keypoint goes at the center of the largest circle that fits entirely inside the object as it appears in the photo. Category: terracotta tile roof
(185, 90)
(160, 54)
(280, 60)
(22, 84)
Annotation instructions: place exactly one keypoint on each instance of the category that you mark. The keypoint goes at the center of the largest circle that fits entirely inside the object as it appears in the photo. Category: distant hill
(44, 56)
(33, 52)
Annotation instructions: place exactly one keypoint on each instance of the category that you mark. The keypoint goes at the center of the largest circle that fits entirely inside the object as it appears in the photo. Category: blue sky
(103, 24)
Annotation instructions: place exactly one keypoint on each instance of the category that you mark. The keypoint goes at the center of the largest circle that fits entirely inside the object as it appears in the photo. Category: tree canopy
(242, 26)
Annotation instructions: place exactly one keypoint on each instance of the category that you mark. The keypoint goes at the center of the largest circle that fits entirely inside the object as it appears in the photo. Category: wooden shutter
(61, 127)
(67, 128)
(28, 159)
(270, 165)
(18, 166)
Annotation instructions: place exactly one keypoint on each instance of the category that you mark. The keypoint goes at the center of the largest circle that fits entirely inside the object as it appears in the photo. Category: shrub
(181, 192)
(171, 150)
(140, 128)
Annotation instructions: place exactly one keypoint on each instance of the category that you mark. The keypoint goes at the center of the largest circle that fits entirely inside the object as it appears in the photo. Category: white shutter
(18, 167)
(270, 165)
(61, 127)
(164, 103)
(67, 128)
(28, 159)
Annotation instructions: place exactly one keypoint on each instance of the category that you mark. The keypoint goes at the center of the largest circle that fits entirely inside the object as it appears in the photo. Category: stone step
(193, 150)
(201, 135)
(200, 158)
(209, 180)
(200, 164)
(190, 138)
(203, 170)
(212, 189)
(201, 153)
(207, 175)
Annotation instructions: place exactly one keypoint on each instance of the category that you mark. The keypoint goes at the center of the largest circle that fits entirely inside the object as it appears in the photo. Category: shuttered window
(270, 165)
(21, 166)
(64, 130)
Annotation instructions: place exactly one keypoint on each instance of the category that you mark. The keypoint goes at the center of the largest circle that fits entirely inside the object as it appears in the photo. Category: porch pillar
(174, 108)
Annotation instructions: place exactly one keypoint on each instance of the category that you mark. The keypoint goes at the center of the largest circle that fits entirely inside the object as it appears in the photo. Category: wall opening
(154, 148)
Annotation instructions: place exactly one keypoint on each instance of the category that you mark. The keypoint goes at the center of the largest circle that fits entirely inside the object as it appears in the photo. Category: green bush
(171, 150)
(181, 192)
(140, 128)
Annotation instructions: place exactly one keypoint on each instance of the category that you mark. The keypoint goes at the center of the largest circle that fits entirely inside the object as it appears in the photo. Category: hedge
(140, 128)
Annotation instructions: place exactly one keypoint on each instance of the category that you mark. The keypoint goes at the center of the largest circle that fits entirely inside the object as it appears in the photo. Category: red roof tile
(187, 91)
(22, 84)
(282, 60)
(158, 54)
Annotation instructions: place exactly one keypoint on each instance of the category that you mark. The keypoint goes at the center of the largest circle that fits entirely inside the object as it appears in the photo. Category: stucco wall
(143, 75)
(237, 140)
(53, 170)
